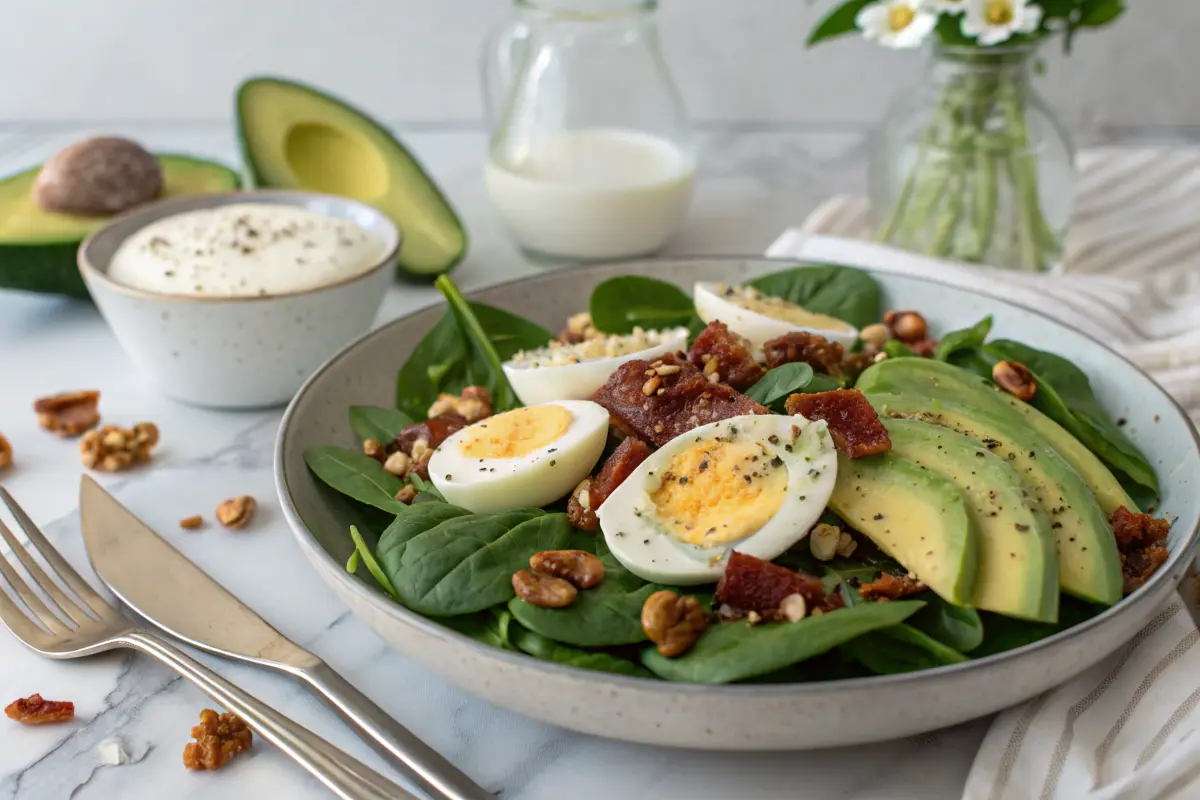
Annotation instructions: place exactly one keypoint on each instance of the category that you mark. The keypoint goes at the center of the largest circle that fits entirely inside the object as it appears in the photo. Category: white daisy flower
(896, 23)
(995, 21)
(950, 7)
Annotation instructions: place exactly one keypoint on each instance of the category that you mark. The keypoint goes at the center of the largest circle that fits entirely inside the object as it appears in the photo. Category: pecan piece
(579, 567)
(70, 413)
(891, 587)
(218, 738)
(474, 404)
(34, 710)
(672, 622)
(579, 507)
(236, 511)
(6, 453)
(1142, 543)
(111, 448)
(544, 591)
(853, 423)
(407, 494)
(907, 326)
(1016, 379)
(734, 363)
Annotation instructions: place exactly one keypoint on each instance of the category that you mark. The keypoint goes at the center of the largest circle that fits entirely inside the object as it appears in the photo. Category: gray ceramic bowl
(752, 717)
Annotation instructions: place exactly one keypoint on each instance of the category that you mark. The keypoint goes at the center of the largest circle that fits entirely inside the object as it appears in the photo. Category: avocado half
(293, 136)
(37, 248)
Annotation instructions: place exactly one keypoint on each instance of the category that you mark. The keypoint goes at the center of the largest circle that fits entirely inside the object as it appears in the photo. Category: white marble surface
(752, 185)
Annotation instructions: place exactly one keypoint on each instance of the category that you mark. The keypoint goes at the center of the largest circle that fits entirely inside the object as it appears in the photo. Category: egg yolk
(716, 492)
(516, 433)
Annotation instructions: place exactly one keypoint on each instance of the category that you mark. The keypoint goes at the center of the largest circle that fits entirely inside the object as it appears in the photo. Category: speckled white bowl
(237, 352)
(736, 717)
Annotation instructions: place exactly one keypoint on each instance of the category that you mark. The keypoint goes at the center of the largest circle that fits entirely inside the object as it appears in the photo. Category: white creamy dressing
(244, 250)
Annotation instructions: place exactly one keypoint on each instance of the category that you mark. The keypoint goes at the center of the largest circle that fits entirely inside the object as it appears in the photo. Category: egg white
(758, 328)
(643, 544)
(544, 384)
(486, 485)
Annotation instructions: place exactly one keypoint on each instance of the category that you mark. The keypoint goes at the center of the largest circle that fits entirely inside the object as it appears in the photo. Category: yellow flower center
(900, 16)
(998, 12)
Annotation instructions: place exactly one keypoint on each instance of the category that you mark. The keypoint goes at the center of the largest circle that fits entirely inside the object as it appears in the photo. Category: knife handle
(430, 770)
(345, 776)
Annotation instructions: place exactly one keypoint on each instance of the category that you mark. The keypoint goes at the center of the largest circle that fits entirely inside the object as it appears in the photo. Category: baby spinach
(900, 648)
(492, 627)
(894, 348)
(1065, 395)
(437, 364)
(734, 651)
(356, 475)
(845, 293)
(955, 626)
(420, 518)
(619, 304)
(964, 339)
(774, 387)
(466, 564)
(363, 552)
(546, 649)
(378, 423)
(1006, 633)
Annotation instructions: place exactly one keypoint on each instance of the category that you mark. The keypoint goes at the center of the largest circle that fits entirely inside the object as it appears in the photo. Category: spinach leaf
(845, 293)
(437, 364)
(1006, 633)
(821, 383)
(405, 528)
(619, 304)
(492, 627)
(964, 339)
(774, 387)
(954, 626)
(363, 552)
(375, 422)
(900, 648)
(973, 360)
(898, 349)
(1065, 395)
(427, 492)
(356, 475)
(734, 651)
(546, 649)
(466, 564)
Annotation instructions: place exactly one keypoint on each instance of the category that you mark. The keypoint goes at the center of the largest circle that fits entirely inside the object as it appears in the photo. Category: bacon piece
(811, 348)
(891, 587)
(752, 584)
(657, 404)
(434, 431)
(617, 467)
(1141, 540)
(34, 710)
(735, 364)
(853, 423)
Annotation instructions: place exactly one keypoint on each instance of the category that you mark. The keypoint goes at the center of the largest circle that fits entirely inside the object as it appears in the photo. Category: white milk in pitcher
(593, 194)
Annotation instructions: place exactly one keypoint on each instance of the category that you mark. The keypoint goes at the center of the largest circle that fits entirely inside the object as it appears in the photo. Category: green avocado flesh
(916, 516)
(295, 137)
(37, 248)
(1089, 566)
(942, 381)
(1018, 568)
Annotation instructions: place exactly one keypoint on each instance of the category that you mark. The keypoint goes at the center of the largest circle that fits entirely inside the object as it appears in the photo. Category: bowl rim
(521, 660)
(161, 209)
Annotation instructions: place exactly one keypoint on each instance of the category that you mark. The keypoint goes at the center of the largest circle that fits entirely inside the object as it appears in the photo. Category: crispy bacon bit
(420, 439)
(735, 363)
(219, 737)
(684, 400)
(751, 584)
(33, 710)
(891, 587)
(812, 349)
(853, 423)
(581, 508)
(1141, 539)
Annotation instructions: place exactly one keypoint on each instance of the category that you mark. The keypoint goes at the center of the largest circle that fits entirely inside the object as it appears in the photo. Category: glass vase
(973, 165)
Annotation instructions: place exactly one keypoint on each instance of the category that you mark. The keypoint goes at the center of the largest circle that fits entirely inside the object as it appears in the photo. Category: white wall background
(414, 62)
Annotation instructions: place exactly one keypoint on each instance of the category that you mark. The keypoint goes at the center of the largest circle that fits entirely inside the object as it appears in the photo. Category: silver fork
(91, 625)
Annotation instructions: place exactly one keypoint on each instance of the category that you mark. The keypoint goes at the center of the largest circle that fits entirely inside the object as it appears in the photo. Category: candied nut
(6, 453)
(579, 507)
(544, 591)
(823, 541)
(372, 448)
(218, 738)
(111, 449)
(236, 511)
(145, 434)
(98, 176)
(907, 326)
(34, 710)
(69, 413)
(398, 464)
(474, 404)
(793, 608)
(577, 566)
(191, 523)
(672, 622)
(1014, 378)
(846, 545)
(875, 335)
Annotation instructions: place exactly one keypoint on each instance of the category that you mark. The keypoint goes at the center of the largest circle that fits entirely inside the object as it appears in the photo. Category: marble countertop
(753, 183)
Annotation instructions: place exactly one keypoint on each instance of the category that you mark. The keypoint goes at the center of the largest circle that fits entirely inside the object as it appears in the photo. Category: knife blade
(169, 591)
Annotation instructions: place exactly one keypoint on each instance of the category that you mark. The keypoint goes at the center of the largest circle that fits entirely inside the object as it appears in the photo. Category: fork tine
(57, 596)
(58, 565)
(31, 600)
(19, 622)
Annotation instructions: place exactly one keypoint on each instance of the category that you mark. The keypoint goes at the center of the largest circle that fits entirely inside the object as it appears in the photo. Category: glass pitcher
(591, 155)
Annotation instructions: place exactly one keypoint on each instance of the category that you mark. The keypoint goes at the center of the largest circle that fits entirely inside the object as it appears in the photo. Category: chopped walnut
(191, 523)
(579, 329)
(6, 453)
(112, 449)
(70, 413)
(33, 710)
(374, 449)
(219, 737)
(407, 493)
(236, 511)
(398, 464)
(474, 404)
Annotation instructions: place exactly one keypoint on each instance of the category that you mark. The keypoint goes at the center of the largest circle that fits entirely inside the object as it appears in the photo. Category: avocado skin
(866, 496)
(1089, 564)
(1018, 567)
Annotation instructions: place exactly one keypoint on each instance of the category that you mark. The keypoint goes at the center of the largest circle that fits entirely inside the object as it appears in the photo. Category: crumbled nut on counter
(6, 453)
(891, 587)
(474, 404)
(70, 413)
(219, 737)
(191, 523)
(112, 449)
(34, 710)
(236, 511)
(1142, 543)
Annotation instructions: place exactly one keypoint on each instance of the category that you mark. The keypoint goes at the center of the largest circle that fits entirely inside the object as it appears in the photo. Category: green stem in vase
(986, 190)
(943, 230)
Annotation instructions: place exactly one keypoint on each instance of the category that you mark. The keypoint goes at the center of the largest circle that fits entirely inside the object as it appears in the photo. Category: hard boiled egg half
(527, 457)
(755, 484)
(760, 317)
(576, 371)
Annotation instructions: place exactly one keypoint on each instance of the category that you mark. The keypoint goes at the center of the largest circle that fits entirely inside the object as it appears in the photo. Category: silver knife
(172, 593)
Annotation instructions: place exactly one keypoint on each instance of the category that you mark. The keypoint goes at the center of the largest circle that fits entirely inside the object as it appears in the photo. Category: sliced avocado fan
(293, 136)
